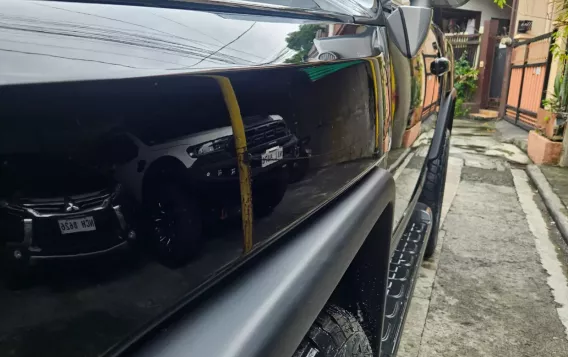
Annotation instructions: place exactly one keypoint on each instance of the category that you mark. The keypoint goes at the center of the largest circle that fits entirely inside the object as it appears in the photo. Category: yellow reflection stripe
(373, 62)
(241, 147)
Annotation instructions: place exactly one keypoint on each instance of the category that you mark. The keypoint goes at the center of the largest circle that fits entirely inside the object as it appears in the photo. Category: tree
(500, 3)
(301, 41)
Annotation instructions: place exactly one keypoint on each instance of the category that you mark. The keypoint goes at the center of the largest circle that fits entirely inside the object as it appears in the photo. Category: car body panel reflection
(142, 98)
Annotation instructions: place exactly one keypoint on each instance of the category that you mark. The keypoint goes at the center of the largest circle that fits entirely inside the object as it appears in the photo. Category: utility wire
(225, 46)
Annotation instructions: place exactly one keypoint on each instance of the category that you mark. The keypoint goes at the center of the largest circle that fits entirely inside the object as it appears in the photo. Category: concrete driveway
(497, 285)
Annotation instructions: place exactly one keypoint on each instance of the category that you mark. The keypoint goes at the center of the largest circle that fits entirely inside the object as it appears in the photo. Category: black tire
(268, 196)
(176, 232)
(433, 192)
(336, 333)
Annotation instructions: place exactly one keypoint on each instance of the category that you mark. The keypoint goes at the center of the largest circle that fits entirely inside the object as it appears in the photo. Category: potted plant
(545, 143)
(557, 105)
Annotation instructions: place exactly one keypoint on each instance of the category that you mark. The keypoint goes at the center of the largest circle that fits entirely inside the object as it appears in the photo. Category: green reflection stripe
(316, 73)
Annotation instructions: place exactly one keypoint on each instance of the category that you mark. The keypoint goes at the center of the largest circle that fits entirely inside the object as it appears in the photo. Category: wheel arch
(361, 289)
(165, 168)
(445, 121)
(280, 292)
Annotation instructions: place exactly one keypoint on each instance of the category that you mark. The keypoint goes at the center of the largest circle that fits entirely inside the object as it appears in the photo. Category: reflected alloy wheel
(164, 228)
(177, 235)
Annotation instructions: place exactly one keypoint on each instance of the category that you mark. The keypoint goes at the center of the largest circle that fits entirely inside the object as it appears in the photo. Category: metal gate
(529, 78)
(467, 45)
(497, 74)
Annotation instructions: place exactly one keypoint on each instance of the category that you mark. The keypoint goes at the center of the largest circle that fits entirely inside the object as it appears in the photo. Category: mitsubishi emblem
(71, 207)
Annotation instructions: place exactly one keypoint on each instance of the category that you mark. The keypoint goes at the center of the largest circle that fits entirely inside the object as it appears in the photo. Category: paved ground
(510, 133)
(497, 285)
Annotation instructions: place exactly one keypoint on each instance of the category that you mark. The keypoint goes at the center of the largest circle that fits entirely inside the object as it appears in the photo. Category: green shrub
(461, 110)
(465, 83)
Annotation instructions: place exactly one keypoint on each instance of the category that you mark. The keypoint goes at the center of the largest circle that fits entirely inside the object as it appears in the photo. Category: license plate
(272, 155)
(83, 224)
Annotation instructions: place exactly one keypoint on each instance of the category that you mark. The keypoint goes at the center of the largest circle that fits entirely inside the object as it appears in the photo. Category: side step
(403, 273)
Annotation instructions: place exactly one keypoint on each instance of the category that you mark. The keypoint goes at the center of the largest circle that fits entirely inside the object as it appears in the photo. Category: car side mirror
(440, 66)
(408, 28)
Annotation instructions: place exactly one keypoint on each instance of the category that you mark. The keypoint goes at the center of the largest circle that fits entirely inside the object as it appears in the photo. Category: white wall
(487, 7)
(488, 10)
(540, 12)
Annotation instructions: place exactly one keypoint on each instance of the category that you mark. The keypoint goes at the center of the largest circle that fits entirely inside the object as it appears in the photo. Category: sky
(41, 39)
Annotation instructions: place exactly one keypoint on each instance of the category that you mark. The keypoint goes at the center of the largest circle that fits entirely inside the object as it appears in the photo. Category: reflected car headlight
(208, 147)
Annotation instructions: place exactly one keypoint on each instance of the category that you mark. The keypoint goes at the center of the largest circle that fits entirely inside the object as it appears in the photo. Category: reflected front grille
(61, 204)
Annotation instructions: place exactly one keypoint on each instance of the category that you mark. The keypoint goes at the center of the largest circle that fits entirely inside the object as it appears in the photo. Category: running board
(403, 273)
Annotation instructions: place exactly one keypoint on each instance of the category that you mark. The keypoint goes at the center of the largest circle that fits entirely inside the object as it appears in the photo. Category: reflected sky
(53, 40)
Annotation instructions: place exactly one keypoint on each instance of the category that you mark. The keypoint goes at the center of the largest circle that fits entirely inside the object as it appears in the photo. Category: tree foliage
(465, 83)
(558, 102)
(301, 41)
(501, 3)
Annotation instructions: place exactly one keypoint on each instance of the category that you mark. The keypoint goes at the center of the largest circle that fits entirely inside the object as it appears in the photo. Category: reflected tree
(301, 41)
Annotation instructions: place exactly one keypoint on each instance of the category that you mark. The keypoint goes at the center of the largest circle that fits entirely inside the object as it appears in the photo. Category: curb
(551, 200)
(522, 145)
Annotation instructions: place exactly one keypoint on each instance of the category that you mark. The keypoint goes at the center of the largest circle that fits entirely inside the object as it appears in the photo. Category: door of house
(529, 79)
(497, 74)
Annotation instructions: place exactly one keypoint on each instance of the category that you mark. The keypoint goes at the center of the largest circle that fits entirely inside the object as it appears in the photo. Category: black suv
(172, 169)
(52, 208)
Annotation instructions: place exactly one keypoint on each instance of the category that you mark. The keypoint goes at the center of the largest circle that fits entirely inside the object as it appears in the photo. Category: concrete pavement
(497, 284)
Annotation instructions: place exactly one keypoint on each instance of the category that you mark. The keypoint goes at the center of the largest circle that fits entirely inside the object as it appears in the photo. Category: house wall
(489, 10)
(540, 12)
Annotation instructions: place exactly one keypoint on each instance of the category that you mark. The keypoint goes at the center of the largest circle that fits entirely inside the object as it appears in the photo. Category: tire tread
(335, 333)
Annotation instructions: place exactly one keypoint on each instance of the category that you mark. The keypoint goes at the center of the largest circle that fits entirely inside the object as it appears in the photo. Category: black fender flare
(444, 121)
(267, 308)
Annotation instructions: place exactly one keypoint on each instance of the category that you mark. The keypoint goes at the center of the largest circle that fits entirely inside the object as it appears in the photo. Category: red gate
(529, 78)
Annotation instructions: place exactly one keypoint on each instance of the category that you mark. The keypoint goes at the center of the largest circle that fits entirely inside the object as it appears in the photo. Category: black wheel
(433, 192)
(176, 225)
(336, 333)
